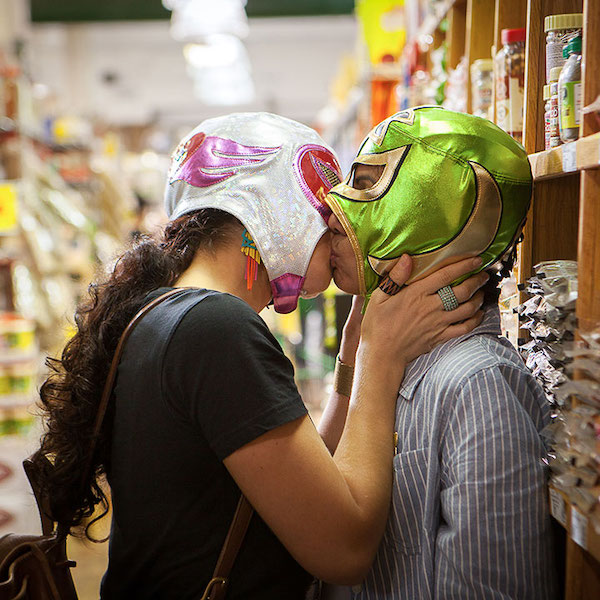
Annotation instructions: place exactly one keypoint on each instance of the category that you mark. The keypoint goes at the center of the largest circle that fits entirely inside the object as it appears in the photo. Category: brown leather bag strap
(112, 373)
(217, 586)
(235, 537)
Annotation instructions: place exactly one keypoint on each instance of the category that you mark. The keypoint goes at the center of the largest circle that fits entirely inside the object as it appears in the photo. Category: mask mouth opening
(348, 229)
(286, 291)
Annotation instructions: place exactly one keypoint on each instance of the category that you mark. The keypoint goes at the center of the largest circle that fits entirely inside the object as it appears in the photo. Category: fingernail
(404, 260)
(477, 262)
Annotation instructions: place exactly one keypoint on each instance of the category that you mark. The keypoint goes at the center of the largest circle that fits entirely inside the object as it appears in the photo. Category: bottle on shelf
(569, 91)
(553, 129)
(559, 30)
(509, 64)
(482, 86)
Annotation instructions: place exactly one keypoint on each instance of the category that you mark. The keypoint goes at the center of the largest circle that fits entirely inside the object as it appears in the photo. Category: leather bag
(36, 567)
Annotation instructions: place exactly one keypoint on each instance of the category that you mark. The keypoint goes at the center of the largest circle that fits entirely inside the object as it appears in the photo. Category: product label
(579, 525)
(570, 104)
(557, 507)
(502, 110)
(515, 99)
(577, 94)
(569, 162)
(554, 57)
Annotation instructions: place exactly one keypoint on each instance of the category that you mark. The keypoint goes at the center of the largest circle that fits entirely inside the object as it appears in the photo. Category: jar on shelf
(559, 30)
(509, 66)
(9, 75)
(554, 130)
(569, 92)
(482, 86)
(547, 113)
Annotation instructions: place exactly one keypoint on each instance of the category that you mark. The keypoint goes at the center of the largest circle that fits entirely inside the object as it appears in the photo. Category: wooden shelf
(576, 523)
(566, 159)
(547, 164)
(588, 152)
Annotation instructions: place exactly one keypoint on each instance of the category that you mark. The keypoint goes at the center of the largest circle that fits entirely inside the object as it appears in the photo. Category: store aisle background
(132, 73)
(90, 111)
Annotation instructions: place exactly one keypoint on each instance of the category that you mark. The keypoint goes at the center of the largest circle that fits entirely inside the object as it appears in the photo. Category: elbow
(347, 566)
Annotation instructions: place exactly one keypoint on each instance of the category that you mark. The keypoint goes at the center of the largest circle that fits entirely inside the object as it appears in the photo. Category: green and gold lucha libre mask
(453, 186)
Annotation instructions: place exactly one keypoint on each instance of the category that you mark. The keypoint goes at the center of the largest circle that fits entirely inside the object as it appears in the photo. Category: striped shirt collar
(416, 370)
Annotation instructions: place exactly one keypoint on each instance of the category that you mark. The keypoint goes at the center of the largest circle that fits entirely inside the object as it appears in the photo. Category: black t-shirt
(201, 376)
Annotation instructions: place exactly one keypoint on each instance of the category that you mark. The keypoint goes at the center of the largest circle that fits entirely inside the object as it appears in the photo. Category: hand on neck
(223, 269)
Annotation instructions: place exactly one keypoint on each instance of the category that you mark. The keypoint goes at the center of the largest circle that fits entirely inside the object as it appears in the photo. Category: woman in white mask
(205, 403)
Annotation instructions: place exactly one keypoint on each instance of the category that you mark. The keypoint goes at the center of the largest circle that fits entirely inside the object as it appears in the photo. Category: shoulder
(484, 369)
(218, 315)
(477, 357)
(219, 305)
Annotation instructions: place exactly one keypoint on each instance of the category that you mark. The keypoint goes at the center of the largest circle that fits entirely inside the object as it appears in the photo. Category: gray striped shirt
(469, 517)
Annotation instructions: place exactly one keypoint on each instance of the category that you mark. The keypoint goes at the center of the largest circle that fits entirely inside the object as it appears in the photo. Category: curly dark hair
(71, 393)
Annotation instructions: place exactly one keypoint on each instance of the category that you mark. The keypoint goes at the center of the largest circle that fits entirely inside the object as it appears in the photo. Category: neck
(223, 270)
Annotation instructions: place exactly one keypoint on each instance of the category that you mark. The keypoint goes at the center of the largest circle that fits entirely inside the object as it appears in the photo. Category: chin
(345, 283)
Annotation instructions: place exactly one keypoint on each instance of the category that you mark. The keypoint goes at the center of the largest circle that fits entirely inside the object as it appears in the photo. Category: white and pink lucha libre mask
(272, 174)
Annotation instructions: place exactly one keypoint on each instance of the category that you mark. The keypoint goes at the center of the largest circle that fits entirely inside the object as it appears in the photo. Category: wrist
(379, 365)
(348, 346)
(343, 377)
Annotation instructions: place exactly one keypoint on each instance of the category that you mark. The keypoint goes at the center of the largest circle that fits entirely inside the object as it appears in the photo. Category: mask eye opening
(367, 179)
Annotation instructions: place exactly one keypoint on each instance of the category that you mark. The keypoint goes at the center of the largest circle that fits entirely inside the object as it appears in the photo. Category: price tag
(8, 207)
(557, 507)
(569, 161)
(579, 525)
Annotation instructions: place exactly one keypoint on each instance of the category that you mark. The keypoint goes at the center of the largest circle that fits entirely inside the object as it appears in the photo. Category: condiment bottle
(482, 86)
(509, 64)
(554, 129)
(569, 92)
(547, 115)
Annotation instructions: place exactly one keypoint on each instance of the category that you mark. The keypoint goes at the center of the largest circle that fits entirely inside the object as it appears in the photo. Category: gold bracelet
(342, 377)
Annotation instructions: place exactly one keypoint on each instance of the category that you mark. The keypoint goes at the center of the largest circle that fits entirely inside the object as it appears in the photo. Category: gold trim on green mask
(358, 256)
(391, 160)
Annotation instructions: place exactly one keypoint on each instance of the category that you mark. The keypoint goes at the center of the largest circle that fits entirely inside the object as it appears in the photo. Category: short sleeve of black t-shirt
(224, 371)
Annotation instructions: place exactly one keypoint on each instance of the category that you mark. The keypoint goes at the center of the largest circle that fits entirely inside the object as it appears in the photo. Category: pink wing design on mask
(317, 171)
(205, 160)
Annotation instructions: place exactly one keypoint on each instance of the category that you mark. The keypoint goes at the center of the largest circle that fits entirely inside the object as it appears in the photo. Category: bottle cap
(510, 36)
(547, 92)
(574, 46)
(482, 64)
(554, 74)
(569, 21)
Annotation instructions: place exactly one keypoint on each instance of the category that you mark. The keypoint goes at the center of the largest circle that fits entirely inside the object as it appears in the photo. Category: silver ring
(448, 298)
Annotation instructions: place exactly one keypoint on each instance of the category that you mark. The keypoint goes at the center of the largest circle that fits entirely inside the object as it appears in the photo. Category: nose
(332, 223)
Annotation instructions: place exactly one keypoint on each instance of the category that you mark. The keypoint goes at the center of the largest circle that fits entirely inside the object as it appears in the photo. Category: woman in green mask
(469, 514)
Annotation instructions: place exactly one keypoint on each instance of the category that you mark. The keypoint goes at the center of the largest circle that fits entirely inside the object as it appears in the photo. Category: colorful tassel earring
(252, 258)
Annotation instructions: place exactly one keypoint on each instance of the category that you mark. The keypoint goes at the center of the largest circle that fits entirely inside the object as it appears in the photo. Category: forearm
(334, 416)
(365, 451)
(333, 420)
